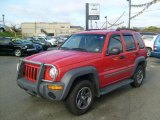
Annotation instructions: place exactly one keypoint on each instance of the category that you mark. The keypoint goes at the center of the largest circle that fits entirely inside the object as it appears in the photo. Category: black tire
(45, 48)
(138, 76)
(17, 52)
(149, 52)
(77, 96)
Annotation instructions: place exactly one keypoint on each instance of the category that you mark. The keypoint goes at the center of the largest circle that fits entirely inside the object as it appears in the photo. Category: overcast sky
(73, 11)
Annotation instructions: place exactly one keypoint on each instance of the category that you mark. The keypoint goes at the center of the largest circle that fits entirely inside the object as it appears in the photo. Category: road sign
(94, 11)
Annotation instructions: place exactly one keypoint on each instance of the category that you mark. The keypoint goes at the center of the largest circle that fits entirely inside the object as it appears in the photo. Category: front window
(85, 42)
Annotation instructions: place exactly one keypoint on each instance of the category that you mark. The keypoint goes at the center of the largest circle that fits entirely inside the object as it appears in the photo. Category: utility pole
(129, 19)
(106, 22)
(87, 12)
(3, 19)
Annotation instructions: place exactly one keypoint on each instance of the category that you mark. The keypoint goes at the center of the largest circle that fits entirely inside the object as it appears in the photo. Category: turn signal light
(55, 87)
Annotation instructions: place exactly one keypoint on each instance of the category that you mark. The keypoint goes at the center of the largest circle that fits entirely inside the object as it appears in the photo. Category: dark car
(17, 47)
(40, 41)
(38, 47)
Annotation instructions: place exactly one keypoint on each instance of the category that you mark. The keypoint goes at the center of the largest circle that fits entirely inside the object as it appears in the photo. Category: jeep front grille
(31, 72)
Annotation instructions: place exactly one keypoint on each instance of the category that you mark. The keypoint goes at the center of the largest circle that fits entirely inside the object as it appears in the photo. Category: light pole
(129, 21)
(106, 22)
(3, 19)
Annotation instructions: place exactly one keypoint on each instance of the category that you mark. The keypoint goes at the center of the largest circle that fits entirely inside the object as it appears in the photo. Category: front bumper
(41, 90)
(39, 87)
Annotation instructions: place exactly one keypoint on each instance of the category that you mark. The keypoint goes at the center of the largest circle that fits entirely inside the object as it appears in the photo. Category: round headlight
(24, 47)
(53, 72)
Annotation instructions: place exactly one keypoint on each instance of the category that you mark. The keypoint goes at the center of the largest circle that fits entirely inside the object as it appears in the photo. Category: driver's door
(115, 66)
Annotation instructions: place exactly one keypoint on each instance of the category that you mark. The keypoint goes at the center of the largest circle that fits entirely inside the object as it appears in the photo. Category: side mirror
(114, 51)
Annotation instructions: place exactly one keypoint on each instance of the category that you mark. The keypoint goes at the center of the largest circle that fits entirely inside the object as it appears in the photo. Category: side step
(115, 86)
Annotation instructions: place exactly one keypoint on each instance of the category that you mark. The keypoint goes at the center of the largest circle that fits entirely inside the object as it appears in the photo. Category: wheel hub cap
(84, 97)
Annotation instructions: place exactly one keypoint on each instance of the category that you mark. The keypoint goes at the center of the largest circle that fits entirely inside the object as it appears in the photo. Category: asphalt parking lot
(126, 103)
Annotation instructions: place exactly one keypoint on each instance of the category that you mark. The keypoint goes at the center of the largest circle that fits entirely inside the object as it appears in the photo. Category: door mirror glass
(114, 51)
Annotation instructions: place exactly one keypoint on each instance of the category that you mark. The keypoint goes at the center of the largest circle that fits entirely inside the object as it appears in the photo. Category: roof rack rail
(119, 29)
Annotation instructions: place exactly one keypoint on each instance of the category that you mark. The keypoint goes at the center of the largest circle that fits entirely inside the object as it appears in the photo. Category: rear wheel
(81, 98)
(138, 76)
(18, 52)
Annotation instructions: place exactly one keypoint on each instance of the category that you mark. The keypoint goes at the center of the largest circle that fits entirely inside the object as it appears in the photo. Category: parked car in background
(52, 40)
(156, 48)
(40, 41)
(38, 47)
(149, 40)
(16, 47)
(61, 40)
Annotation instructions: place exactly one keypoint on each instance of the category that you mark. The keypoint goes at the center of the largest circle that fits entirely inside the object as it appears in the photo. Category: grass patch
(7, 34)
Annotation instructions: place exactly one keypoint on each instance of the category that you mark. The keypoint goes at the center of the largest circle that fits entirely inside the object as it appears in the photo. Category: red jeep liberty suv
(89, 64)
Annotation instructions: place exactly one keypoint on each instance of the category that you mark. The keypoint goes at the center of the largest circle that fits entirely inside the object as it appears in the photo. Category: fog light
(55, 87)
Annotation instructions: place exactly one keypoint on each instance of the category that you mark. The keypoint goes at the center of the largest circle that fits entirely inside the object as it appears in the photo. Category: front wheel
(80, 98)
(17, 52)
(138, 76)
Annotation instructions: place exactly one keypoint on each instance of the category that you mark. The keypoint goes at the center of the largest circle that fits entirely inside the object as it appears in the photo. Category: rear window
(130, 44)
(157, 42)
(139, 40)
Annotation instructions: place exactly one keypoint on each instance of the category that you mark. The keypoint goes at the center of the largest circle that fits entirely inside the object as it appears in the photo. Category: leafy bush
(7, 34)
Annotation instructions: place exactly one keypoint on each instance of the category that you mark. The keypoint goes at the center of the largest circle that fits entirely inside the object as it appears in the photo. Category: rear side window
(139, 40)
(130, 44)
(115, 42)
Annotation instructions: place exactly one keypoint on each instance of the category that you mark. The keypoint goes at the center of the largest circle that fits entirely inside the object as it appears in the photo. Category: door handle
(122, 57)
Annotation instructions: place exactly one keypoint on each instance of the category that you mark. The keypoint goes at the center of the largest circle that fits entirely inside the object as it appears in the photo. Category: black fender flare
(137, 61)
(70, 76)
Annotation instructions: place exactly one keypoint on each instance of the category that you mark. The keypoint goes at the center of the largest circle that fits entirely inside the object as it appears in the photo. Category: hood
(62, 58)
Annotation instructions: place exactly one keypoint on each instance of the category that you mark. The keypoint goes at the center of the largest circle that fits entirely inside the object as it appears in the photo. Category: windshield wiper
(64, 48)
(79, 49)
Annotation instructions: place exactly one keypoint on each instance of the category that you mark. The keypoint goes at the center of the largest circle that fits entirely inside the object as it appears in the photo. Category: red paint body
(66, 60)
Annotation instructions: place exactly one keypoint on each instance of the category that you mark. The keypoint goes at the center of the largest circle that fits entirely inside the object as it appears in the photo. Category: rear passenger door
(131, 51)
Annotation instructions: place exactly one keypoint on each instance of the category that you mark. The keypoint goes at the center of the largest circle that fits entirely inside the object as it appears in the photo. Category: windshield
(17, 42)
(85, 42)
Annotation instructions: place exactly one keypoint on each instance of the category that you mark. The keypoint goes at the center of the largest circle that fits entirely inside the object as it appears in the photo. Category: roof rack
(119, 29)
